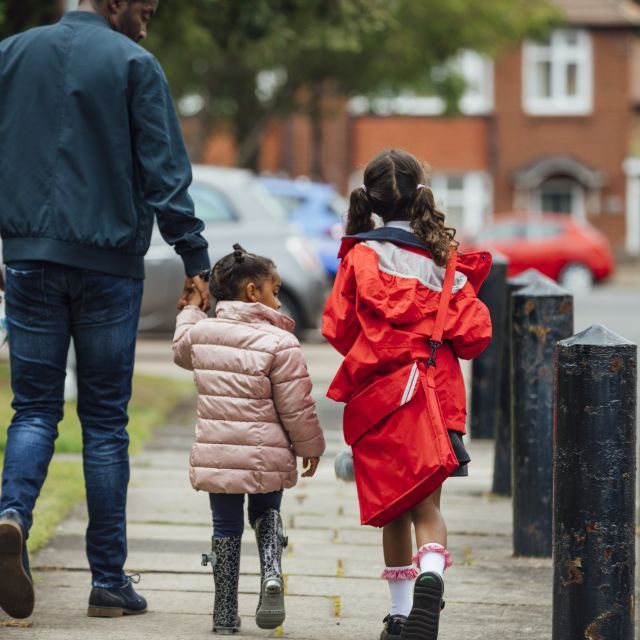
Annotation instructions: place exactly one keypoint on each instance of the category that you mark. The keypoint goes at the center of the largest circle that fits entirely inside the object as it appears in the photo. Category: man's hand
(310, 465)
(201, 287)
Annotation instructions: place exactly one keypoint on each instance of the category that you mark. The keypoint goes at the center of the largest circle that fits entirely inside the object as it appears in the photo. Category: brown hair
(394, 189)
(232, 272)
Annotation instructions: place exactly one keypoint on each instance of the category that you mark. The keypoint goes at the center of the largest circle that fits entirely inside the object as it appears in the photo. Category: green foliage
(152, 400)
(18, 15)
(217, 49)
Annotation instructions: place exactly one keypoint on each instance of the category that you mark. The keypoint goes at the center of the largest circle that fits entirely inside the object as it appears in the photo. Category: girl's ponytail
(428, 223)
(360, 210)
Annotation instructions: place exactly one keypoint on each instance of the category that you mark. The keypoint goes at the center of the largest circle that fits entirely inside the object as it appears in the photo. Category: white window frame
(632, 169)
(478, 71)
(475, 198)
(560, 55)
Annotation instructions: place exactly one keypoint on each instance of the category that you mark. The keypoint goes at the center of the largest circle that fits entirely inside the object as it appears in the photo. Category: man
(91, 151)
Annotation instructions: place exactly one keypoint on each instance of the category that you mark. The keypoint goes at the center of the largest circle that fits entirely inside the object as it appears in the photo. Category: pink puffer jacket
(255, 410)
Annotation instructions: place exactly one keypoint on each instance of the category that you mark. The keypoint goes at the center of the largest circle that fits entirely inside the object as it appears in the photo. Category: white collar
(399, 224)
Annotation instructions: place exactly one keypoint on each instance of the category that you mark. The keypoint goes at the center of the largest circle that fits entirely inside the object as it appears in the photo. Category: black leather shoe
(116, 602)
(393, 625)
(424, 618)
(16, 589)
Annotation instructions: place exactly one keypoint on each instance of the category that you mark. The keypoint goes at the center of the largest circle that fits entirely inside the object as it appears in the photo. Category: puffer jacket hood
(255, 410)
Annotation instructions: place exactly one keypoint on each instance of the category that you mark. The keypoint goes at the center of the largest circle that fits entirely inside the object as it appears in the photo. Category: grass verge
(152, 402)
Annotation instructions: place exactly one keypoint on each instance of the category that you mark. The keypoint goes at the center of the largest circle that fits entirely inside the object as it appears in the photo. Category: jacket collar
(475, 266)
(255, 312)
(85, 17)
(388, 233)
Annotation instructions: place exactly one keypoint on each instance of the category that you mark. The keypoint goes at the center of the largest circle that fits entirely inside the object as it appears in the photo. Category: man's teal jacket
(90, 151)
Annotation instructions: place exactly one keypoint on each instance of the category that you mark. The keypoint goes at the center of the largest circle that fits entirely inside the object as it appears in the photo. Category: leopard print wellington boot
(225, 556)
(271, 541)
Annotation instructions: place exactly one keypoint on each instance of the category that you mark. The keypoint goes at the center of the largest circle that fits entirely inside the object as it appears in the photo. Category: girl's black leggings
(228, 511)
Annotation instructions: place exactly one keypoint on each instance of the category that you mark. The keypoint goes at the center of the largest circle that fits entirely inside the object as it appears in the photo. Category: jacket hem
(75, 255)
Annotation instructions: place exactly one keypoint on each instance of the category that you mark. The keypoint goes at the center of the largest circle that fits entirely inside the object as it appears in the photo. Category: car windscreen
(267, 201)
(290, 203)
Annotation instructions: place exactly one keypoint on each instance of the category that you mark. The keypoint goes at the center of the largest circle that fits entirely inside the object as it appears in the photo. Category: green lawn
(153, 400)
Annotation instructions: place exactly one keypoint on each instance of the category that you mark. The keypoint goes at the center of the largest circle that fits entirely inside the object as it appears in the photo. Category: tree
(18, 15)
(254, 60)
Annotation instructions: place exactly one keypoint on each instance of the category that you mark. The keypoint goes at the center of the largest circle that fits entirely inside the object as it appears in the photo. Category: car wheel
(577, 278)
(290, 308)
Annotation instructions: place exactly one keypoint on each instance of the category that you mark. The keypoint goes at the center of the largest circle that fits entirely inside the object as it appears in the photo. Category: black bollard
(485, 376)
(594, 487)
(542, 315)
(502, 458)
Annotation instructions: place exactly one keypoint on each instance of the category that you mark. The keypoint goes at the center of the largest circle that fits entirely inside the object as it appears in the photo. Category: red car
(570, 251)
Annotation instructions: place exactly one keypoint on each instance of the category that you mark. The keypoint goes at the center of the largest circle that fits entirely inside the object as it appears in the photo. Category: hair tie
(420, 186)
(238, 253)
(364, 187)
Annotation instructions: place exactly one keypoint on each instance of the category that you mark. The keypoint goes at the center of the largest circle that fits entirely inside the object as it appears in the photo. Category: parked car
(235, 207)
(317, 209)
(569, 250)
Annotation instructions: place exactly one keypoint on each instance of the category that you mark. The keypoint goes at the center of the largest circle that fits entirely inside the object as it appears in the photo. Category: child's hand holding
(310, 465)
(194, 297)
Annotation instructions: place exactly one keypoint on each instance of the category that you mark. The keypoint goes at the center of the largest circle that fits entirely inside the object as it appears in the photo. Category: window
(465, 199)
(560, 195)
(477, 70)
(544, 231)
(210, 205)
(504, 231)
(558, 74)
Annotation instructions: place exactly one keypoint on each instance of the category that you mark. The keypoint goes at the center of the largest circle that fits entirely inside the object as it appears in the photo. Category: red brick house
(551, 125)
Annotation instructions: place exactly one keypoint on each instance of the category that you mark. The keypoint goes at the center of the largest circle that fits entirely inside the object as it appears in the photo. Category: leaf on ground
(18, 624)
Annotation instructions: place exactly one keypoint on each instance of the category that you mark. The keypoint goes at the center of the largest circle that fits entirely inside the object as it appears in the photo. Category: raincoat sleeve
(185, 321)
(470, 331)
(340, 324)
(291, 391)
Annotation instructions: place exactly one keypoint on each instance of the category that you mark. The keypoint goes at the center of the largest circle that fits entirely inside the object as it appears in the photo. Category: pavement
(332, 563)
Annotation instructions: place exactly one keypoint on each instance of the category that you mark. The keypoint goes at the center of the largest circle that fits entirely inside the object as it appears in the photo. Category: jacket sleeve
(165, 170)
(470, 331)
(340, 324)
(185, 321)
(291, 389)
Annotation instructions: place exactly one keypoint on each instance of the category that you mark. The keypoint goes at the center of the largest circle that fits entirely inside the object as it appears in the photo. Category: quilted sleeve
(291, 388)
(185, 321)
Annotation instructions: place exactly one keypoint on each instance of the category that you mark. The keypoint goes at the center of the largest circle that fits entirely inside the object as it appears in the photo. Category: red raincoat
(380, 316)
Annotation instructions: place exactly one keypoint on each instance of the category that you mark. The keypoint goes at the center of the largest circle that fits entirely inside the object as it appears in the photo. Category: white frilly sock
(433, 557)
(400, 580)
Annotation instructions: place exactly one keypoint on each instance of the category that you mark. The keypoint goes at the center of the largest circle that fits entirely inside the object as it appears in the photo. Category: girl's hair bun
(234, 270)
(238, 253)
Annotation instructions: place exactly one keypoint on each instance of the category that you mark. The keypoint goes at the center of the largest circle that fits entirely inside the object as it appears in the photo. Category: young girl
(255, 415)
(382, 315)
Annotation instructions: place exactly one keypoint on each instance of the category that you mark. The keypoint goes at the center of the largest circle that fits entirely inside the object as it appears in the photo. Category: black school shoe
(16, 587)
(393, 625)
(116, 602)
(424, 618)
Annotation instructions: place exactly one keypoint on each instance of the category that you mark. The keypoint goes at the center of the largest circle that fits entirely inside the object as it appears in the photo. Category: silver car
(235, 207)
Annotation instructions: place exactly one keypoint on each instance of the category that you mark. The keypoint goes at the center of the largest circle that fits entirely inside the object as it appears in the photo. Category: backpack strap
(443, 307)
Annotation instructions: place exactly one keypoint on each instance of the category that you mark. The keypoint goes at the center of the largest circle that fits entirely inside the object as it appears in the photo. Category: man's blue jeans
(46, 306)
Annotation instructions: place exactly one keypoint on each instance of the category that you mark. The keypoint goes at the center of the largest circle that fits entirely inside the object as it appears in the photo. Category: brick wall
(446, 144)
